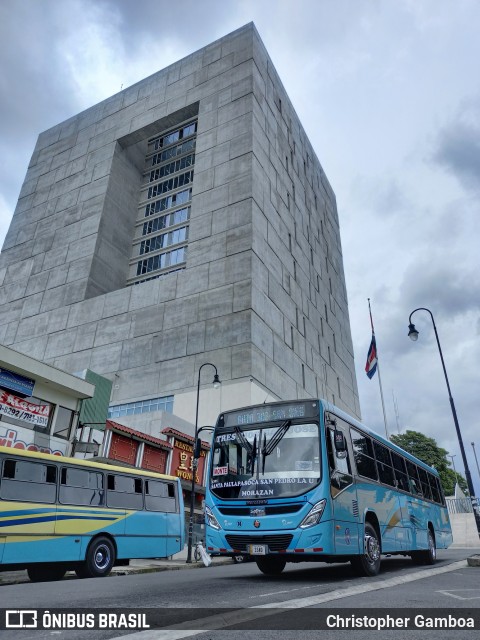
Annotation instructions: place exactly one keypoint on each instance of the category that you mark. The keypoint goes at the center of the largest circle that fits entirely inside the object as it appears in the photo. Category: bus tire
(99, 559)
(429, 556)
(46, 572)
(368, 564)
(271, 566)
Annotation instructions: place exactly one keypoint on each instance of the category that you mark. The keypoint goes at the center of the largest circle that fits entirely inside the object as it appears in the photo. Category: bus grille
(272, 510)
(274, 543)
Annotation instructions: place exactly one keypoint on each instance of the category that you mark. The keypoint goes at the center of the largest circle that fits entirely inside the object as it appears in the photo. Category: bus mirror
(197, 448)
(340, 444)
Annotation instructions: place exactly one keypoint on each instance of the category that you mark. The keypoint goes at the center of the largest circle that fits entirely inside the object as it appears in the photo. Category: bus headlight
(211, 520)
(314, 515)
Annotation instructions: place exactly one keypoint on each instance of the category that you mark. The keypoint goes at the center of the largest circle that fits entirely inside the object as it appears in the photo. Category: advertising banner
(14, 407)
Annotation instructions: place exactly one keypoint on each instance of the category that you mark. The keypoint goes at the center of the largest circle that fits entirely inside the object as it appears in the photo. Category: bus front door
(344, 500)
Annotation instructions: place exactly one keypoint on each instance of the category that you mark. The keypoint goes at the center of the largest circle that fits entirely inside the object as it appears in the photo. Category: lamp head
(216, 381)
(412, 332)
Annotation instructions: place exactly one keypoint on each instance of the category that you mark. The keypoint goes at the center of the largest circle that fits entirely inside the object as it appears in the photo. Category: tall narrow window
(165, 200)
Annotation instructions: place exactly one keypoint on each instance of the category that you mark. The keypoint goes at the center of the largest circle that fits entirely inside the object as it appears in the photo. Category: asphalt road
(240, 597)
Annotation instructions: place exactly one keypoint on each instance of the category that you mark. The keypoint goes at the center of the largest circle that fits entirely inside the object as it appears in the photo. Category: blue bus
(59, 514)
(303, 481)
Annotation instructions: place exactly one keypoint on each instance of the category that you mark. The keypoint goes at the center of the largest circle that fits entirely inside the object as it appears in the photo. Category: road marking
(272, 593)
(230, 618)
(452, 595)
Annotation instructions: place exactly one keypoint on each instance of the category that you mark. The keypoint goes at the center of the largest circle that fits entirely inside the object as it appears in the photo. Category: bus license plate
(258, 550)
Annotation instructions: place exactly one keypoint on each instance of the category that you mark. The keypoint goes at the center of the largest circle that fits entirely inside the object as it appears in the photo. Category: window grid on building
(142, 406)
(165, 200)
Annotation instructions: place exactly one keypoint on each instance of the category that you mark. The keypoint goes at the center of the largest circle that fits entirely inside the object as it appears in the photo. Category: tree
(427, 450)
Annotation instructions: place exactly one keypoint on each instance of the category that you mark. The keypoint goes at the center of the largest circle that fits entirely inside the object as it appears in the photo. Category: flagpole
(379, 378)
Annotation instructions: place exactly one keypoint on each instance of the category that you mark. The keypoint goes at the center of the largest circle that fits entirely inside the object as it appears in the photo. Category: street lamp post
(413, 335)
(475, 454)
(216, 384)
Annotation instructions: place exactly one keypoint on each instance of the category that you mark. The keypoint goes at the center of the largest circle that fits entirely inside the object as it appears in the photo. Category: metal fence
(462, 505)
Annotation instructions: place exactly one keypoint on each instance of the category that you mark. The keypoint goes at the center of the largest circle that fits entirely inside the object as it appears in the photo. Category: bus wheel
(271, 566)
(99, 559)
(46, 572)
(368, 564)
(429, 556)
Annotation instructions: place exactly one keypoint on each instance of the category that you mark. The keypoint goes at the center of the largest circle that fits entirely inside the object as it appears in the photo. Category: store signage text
(9, 438)
(14, 407)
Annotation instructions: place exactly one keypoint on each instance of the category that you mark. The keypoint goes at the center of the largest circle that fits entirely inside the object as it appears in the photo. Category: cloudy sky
(389, 94)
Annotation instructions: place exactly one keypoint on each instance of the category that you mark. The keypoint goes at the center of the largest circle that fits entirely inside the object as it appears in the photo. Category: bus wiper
(243, 441)
(250, 449)
(273, 442)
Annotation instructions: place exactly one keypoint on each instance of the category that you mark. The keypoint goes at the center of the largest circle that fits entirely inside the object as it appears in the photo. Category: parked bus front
(302, 481)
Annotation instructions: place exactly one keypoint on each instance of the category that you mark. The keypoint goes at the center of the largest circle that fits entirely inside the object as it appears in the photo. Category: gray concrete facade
(263, 294)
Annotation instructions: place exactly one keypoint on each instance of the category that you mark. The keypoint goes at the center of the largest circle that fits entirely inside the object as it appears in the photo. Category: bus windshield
(265, 461)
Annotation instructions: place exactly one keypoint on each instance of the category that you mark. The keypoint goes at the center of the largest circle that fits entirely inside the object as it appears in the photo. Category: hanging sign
(13, 407)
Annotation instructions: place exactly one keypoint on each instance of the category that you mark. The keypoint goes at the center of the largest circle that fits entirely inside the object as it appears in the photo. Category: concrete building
(184, 220)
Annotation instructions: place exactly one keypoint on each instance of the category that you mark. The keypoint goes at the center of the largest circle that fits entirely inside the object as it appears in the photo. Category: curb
(180, 567)
(474, 561)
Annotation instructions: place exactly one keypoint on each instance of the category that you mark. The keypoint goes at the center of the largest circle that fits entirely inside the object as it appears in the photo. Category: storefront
(181, 466)
(39, 404)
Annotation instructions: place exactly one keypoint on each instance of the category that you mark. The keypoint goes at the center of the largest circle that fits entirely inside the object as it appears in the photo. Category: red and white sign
(182, 462)
(220, 471)
(13, 438)
(14, 407)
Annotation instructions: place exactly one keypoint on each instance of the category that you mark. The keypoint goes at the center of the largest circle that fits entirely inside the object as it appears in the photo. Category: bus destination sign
(271, 413)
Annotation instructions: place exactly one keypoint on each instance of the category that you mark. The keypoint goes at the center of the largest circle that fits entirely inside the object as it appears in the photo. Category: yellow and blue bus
(59, 514)
(303, 481)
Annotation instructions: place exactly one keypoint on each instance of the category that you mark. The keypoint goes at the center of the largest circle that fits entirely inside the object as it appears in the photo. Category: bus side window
(82, 487)
(400, 472)
(413, 480)
(363, 454)
(440, 490)
(158, 496)
(384, 464)
(436, 495)
(124, 492)
(422, 474)
(28, 481)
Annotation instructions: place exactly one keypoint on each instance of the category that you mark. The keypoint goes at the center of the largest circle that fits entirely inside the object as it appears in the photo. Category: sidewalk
(176, 562)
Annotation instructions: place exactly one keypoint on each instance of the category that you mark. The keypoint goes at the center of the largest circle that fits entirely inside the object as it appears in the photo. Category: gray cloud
(458, 147)
(436, 283)
(157, 19)
(35, 86)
